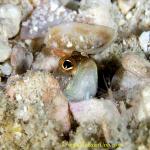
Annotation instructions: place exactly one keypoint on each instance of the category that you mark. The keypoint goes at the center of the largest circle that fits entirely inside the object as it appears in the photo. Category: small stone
(129, 16)
(45, 63)
(6, 69)
(144, 107)
(144, 40)
(38, 94)
(94, 110)
(103, 113)
(5, 51)
(126, 5)
(10, 17)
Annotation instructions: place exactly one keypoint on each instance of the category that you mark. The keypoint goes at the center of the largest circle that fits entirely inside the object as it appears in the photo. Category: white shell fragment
(85, 38)
(91, 31)
(144, 40)
(10, 18)
(5, 51)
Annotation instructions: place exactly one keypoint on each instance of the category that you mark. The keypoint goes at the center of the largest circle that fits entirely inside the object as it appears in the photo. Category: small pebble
(5, 51)
(6, 69)
(144, 40)
(10, 18)
(126, 5)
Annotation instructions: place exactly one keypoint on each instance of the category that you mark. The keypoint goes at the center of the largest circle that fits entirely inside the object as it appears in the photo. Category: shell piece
(91, 31)
(10, 17)
(85, 38)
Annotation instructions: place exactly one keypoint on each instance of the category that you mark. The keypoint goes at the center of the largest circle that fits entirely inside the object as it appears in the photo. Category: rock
(5, 51)
(104, 114)
(93, 110)
(45, 62)
(6, 69)
(40, 92)
(126, 5)
(135, 64)
(10, 17)
(21, 59)
(144, 103)
(144, 40)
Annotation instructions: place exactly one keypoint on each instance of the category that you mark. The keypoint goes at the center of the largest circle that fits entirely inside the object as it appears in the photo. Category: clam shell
(81, 37)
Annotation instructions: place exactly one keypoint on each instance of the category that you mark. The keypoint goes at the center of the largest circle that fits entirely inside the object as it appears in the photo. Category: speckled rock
(43, 91)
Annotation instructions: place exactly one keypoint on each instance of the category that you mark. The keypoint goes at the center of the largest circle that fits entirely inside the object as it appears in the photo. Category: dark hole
(73, 5)
(105, 74)
(67, 64)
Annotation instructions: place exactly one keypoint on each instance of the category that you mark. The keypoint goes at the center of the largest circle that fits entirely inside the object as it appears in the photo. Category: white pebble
(6, 69)
(144, 107)
(10, 18)
(5, 51)
(144, 40)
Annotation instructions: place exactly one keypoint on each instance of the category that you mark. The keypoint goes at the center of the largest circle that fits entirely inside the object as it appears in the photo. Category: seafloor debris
(144, 40)
(5, 50)
(74, 74)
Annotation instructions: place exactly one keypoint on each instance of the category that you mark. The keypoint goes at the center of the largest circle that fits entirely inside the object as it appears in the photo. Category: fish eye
(67, 64)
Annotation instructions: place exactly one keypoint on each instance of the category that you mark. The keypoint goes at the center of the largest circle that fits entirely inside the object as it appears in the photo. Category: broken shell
(90, 32)
(83, 81)
(84, 38)
(10, 16)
